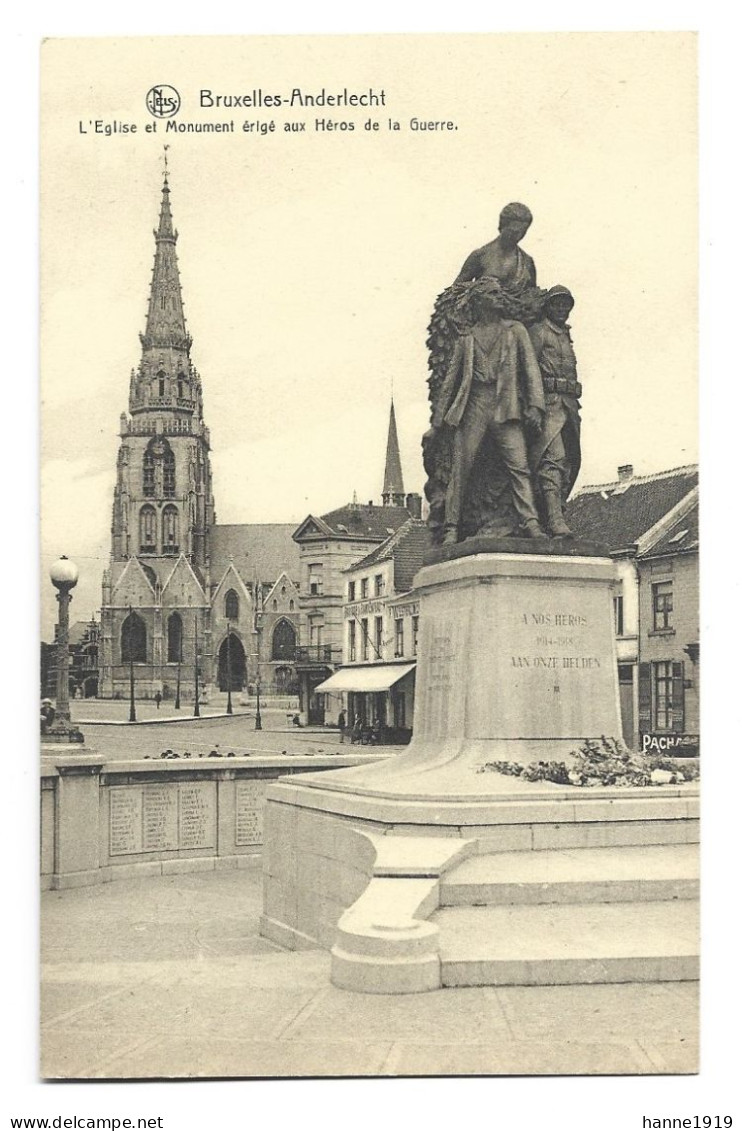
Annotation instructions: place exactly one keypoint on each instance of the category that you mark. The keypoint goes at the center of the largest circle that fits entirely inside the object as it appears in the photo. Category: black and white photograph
(369, 604)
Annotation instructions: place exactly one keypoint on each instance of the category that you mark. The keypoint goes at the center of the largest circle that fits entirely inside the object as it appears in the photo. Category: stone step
(583, 875)
(568, 944)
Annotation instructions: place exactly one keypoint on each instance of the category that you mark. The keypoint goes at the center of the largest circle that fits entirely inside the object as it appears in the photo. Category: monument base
(517, 663)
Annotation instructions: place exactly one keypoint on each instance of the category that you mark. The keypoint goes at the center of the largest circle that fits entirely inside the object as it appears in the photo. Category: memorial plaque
(249, 802)
(197, 814)
(125, 828)
(160, 818)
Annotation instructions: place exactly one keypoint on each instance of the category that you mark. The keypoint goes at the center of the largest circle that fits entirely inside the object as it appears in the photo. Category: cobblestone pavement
(168, 977)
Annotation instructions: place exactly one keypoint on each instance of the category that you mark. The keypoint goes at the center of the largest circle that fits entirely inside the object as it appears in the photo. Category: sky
(310, 260)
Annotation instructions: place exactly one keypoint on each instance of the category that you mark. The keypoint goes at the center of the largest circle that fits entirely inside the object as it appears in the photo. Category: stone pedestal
(516, 663)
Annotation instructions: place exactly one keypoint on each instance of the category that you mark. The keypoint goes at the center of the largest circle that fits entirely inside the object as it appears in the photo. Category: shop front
(380, 700)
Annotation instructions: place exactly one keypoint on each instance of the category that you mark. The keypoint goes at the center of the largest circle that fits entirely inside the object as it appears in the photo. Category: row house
(650, 525)
(376, 685)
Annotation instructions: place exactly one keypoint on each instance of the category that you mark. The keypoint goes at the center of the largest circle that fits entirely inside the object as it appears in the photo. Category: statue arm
(446, 392)
(470, 270)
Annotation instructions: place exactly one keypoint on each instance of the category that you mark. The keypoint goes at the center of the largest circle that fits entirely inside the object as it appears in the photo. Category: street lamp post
(132, 701)
(64, 575)
(229, 669)
(196, 707)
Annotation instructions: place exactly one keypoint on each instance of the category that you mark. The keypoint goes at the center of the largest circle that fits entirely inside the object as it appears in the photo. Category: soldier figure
(555, 451)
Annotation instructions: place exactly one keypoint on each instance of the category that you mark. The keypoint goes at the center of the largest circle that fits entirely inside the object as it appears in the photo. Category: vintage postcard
(370, 635)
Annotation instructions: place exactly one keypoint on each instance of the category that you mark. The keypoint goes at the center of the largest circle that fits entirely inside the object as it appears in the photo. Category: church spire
(165, 319)
(393, 492)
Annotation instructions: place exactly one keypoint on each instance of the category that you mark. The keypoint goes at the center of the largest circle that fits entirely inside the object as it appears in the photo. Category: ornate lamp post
(64, 575)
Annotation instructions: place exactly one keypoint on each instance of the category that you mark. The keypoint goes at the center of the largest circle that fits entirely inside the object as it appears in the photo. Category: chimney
(625, 472)
(414, 504)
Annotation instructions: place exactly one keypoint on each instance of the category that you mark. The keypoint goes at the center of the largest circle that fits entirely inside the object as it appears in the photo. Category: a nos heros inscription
(559, 643)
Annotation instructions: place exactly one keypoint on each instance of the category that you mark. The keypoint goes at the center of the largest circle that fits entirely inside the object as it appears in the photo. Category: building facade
(376, 684)
(650, 526)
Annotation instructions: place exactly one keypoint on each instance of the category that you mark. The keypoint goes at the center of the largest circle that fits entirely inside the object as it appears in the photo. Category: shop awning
(375, 677)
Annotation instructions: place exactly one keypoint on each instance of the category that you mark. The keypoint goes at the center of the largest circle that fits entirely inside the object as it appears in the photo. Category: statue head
(515, 220)
(558, 304)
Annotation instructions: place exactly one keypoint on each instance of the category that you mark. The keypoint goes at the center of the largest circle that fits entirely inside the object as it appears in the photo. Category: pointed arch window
(133, 640)
(149, 474)
(161, 379)
(174, 639)
(168, 473)
(231, 605)
(147, 530)
(170, 530)
(284, 641)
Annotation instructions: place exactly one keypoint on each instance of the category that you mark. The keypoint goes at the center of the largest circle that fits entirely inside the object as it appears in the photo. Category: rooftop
(619, 513)
(265, 548)
(406, 548)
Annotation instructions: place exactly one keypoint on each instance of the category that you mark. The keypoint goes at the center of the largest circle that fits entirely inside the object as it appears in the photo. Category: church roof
(618, 514)
(263, 547)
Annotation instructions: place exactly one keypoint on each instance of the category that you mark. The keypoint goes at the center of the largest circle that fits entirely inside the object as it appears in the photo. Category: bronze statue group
(503, 449)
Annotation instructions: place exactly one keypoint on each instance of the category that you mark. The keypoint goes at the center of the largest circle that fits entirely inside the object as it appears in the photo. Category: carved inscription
(439, 660)
(160, 818)
(545, 622)
(125, 820)
(197, 814)
(249, 801)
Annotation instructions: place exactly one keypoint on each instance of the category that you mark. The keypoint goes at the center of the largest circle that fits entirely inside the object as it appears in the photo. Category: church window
(231, 605)
(149, 474)
(174, 639)
(148, 530)
(170, 532)
(168, 473)
(133, 640)
(291, 606)
(284, 641)
(275, 606)
(161, 384)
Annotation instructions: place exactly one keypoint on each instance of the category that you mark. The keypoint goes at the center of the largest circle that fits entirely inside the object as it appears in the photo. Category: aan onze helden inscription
(555, 631)
(161, 818)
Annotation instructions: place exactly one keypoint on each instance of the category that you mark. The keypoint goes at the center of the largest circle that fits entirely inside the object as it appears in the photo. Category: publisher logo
(163, 101)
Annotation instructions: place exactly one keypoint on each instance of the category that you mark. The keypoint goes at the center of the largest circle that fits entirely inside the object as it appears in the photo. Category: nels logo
(163, 101)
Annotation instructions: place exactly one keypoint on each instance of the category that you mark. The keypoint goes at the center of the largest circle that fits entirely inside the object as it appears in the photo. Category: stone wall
(104, 821)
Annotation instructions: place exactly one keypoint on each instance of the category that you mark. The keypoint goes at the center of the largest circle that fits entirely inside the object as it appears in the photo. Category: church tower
(155, 594)
(393, 494)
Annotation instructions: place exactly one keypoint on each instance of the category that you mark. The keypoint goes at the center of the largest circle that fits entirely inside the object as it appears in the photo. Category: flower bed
(604, 761)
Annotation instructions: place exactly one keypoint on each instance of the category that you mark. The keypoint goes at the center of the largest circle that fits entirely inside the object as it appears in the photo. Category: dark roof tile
(618, 514)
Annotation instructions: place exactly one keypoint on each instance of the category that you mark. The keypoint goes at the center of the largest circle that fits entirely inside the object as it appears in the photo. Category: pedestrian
(158, 699)
(341, 725)
(47, 715)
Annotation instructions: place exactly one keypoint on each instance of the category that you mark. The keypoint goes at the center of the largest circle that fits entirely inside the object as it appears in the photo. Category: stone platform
(516, 662)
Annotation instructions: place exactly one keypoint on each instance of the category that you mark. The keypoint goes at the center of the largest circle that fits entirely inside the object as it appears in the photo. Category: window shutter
(645, 697)
(678, 696)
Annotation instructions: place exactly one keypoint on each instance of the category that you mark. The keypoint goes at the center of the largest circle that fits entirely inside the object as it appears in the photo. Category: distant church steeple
(393, 492)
